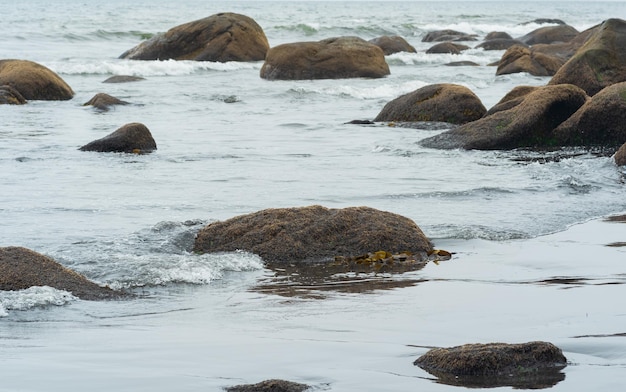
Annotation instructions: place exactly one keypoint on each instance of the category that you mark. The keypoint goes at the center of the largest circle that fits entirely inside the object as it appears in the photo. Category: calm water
(201, 324)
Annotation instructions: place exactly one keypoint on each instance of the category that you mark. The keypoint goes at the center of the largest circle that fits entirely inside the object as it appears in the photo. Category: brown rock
(447, 35)
(497, 35)
(449, 103)
(511, 99)
(392, 44)
(600, 62)
(521, 59)
(314, 234)
(220, 37)
(550, 34)
(123, 79)
(270, 386)
(447, 47)
(333, 58)
(34, 81)
(103, 101)
(620, 157)
(10, 96)
(21, 268)
(500, 44)
(130, 138)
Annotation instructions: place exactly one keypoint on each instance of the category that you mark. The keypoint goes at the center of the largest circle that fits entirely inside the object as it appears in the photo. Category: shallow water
(531, 259)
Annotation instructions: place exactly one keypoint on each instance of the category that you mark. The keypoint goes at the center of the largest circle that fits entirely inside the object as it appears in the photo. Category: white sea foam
(32, 297)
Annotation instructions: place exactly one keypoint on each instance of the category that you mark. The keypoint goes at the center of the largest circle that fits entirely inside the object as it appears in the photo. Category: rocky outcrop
(522, 59)
(392, 44)
(21, 268)
(447, 35)
(447, 47)
(220, 37)
(449, 103)
(270, 386)
(333, 58)
(131, 138)
(500, 44)
(528, 124)
(315, 234)
(527, 365)
(10, 96)
(601, 121)
(511, 99)
(600, 62)
(620, 156)
(550, 34)
(34, 81)
(102, 101)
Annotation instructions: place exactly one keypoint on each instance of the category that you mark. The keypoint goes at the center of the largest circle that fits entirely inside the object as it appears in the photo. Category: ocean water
(521, 223)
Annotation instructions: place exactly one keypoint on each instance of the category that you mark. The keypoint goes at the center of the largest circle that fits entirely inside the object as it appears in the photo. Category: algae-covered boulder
(33, 81)
(620, 156)
(270, 386)
(601, 121)
(528, 124)
(314, 234)
(102, 101)
(332, 58)
(10, 96)
(600, 62)
(392, 44)
(444, 102)
(130, 138)
(221, 37)
(530, 365)
(21, 268)
(522, 59)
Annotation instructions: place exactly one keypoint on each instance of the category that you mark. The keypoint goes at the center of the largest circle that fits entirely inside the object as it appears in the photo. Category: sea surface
(531, 257)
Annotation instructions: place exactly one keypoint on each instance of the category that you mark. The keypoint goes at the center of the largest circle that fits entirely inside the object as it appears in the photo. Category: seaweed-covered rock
(528, 124)
(34, 81)
(392, 44)
(620, 156)
(221, 37)
(10, 96)
(445, 102)
(131, 138)
(526, 365)
(102, 101)
(522, 59)
(550, 34)
(332, 58)
(600, 62)
(314, 234)
(447, 47)
(21, 268)
(270, 386)
(601, 121)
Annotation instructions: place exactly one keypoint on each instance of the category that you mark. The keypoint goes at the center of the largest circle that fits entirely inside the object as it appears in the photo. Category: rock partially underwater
(33, 81)
(270, 386)
(130, 138)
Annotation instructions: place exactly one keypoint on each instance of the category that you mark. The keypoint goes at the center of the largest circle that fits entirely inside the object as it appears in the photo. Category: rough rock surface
(332, 58)
(21, 268)
(522, 59)
(131, 138)
(313, 234)
(104, 101)
(392, 44)
(445, 102)
(34, 81)
(221, 37)
(511, 99)
(270, 386)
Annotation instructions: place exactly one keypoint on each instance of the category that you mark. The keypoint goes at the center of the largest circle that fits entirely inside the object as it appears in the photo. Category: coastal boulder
(102, 101)
(601, 121)
(620, 156)
(500, 44)
(10, 96)
(21, 268)
(123, 79)
(530, 365)
(33, 81)
(511, 99)
(600, 62)
(527, 124)
(221, 37)
(392, 44)
(131, 138)
(444, 102)
(447, 47)
(332, 58)
(550, 34)
(522, 59)
(314, 234)
(270, 386)
(497, 35)
(447, 35)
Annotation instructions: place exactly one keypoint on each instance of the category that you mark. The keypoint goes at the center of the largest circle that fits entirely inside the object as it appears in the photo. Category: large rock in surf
(21, 268)
(102, 101)
(601, 121)
(620, 156)
(447, 35)
(499, 44)
(131, 138)
(600, 62)
(526, 365)
(392, 44)
(221, 37)
(527, 124)
(447, 48)
(270, 386)
(550, 34)
(314, 234)
(444, 102)
(34, 81)
(522, 59)
(332, 58)
(10, 96)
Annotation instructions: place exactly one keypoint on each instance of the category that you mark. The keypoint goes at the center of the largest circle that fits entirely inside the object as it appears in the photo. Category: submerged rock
(332, 58)
(221, 37)
(528, 365)
(392, 44)
(132, 138)
(315, 234)
(123, 79)
(34, 81)
(102, 101)
(270, 386)
(444, 102)
(21, 268)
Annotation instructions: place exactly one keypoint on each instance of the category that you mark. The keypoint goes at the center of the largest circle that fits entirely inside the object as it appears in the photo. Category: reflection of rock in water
(533, 365)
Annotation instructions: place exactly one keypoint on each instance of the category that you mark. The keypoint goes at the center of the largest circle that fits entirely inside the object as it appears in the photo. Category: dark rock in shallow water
(392, 44)
(21, 268)
(131, 138)
(315, 234)
(500, 44)
(462, 64)
(447, 48)
(270, 386)
(34, 81)
(102, 101)
(530, 365)
(123, 79)
(447, 35)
